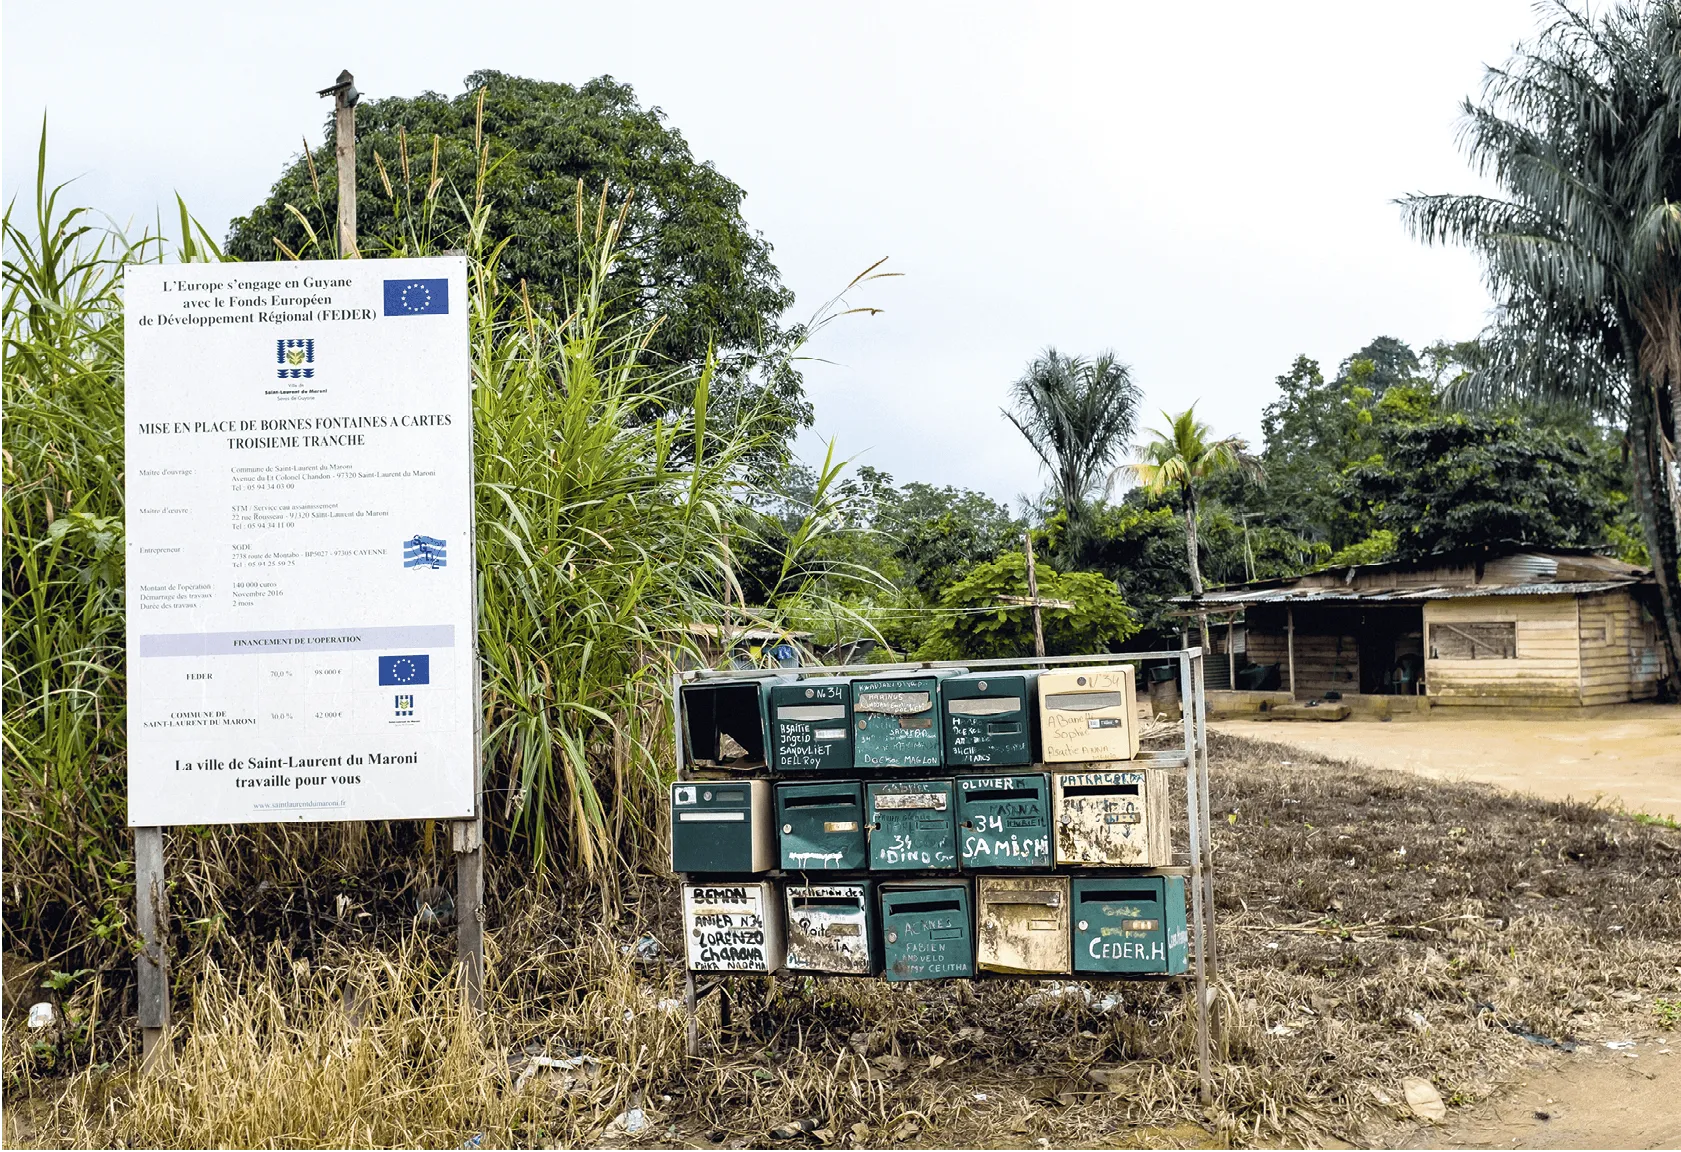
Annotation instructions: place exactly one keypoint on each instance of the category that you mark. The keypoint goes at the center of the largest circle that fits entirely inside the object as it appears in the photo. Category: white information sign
(301, 640)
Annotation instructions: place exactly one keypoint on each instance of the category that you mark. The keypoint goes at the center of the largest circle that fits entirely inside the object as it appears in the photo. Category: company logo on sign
(404, 705)
(417, 297)
(424, 552)
(296, 359)
(402, 671)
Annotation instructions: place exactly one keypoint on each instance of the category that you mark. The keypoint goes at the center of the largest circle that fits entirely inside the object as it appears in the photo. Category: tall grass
(601, 530)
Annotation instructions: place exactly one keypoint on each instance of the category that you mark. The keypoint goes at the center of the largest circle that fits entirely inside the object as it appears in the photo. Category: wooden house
(1530, 628)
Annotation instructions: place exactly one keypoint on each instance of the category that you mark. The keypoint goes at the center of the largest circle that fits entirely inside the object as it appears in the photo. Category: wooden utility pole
(345, 97)
(1033, 593)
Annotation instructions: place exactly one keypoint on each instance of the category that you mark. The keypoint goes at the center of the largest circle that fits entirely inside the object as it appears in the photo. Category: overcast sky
(1206, 189)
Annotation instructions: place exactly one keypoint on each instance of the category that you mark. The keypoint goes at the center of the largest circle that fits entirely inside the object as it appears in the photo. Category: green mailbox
(990, 719)
(721, 826)
(926, 931)
(1130, 924)
(811, 725)
(821, 826)
(726, 723)
(895, 720)
(1004, 821)
(911, 825)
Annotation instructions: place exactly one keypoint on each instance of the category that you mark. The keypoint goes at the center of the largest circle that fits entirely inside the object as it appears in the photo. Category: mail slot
(811, 725)
(821, 827)
(725, 723)
(1135, 924)
(1021, 923)
(925, 931)
(832, 928)
(733, 927)
(990, 719)
(1004, 821)
(911, 825)
(1112, 818)
(895, 720)
(1088, 714)
(721, 826)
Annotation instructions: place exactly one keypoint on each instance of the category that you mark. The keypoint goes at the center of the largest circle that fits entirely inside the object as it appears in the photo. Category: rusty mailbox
(1021, 923)
(1004, 821)
(733, 927)
(1112, 818)
(811, 725)
(1088, 714)
(925, 930)
(990, 719)
(722, 826)
(1131, 924)
(822, 826)
(832, 928)
(911, 825)
(896, 720)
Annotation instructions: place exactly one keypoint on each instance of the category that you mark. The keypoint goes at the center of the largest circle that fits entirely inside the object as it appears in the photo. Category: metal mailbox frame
(1192, 757)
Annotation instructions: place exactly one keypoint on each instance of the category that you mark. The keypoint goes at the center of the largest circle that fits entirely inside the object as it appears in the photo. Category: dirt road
(1628, 755)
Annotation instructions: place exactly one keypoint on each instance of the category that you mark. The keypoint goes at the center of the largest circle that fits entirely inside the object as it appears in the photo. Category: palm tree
(1078, 416)
(1583, 249)
(1174, 463)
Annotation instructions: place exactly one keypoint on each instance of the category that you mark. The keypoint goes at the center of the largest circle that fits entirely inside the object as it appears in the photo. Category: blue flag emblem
(404, 670)
(424, 552)
(417, 297)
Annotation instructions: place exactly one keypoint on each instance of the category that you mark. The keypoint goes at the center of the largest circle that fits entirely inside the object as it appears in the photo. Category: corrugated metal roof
(1295, 595)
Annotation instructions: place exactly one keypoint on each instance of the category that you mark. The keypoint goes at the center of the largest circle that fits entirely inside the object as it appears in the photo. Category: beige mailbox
(1088, 714)
(1117, 819)
(1022, 924)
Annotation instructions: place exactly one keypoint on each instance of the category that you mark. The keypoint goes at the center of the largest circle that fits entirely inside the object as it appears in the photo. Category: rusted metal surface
(1021, 924)
(1112, 818)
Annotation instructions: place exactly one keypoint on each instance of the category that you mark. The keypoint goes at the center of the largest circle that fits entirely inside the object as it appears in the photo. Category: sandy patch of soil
(1629, 755)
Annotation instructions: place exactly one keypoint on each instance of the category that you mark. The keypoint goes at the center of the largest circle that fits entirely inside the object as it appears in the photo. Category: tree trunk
(1191, 562)
(1650, 490)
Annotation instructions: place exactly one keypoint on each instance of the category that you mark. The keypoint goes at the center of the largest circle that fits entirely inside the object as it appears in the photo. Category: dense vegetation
(686, 256)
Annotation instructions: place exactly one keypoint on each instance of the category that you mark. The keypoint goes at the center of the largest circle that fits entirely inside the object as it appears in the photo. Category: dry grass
(1555, 919)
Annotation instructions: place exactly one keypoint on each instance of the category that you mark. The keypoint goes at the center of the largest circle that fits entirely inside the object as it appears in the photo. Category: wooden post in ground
(151, 913)
(1231, 652)
(344, 94)
(1033, 594)
(1290, 646)
(467, 838)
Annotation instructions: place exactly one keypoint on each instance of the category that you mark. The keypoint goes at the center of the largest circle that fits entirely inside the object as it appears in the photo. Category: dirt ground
(1627, 755)
(1377, 932)
(1591, 1098)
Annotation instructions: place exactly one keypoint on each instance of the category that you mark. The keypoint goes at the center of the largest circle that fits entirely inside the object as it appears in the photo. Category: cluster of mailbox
(1011, 788)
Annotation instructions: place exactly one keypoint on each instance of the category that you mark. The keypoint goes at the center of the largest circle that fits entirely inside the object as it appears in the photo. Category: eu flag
(401, 670)
(417, 297)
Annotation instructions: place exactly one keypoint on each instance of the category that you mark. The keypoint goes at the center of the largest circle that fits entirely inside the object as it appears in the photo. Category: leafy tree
(1177, 461)
(1078, 416)
(1391, 362)
(977, 626)
(1458, 481)
(688, 256)
(1583, 246)
(942, 534)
